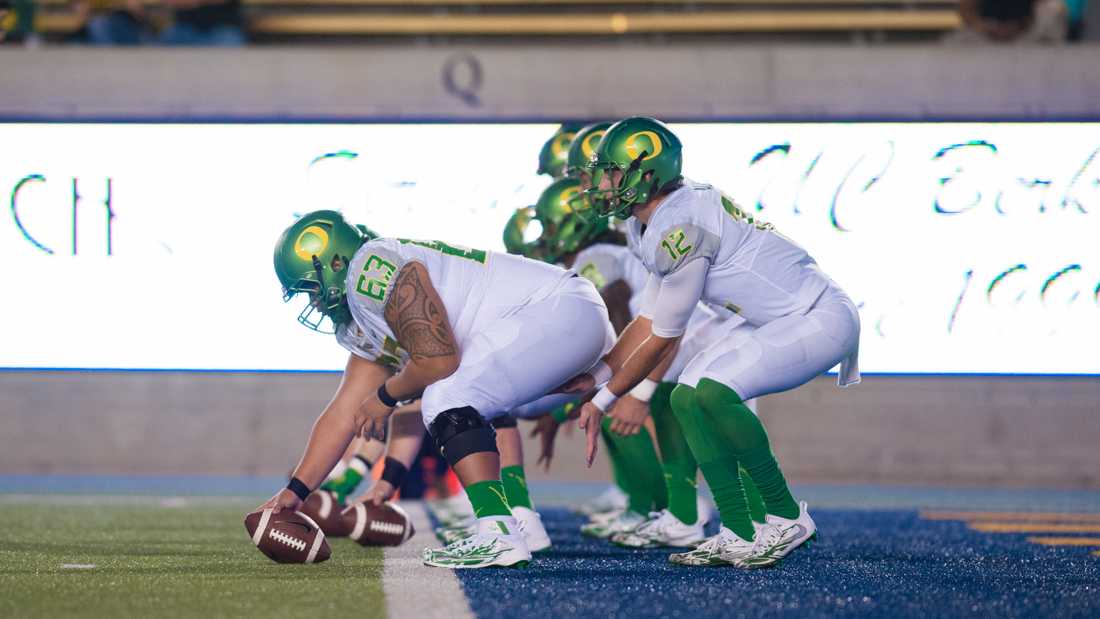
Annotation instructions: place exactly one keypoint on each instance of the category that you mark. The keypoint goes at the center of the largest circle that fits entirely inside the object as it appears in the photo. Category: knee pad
(504, 421)
(460, 432)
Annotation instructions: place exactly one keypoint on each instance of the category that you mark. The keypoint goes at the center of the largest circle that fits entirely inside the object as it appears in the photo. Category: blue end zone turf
(887, 563)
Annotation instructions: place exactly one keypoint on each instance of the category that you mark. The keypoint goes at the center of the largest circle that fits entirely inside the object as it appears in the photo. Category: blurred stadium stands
(319, 20)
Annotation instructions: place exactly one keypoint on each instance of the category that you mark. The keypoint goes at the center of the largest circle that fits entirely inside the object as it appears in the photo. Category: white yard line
(414, 590)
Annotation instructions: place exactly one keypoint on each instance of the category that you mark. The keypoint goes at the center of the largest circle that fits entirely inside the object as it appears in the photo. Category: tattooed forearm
(417, 316)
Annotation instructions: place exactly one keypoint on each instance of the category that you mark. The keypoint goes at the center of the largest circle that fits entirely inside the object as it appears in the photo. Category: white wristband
(601, 373)
(643, 391)
(604, 399)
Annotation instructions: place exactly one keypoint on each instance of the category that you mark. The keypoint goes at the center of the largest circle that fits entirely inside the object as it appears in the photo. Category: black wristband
(385, 397)
(298, 488)
(394, 472)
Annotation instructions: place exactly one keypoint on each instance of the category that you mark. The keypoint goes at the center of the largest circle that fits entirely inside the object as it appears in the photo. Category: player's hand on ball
(627, 415)
(283, 499)
(378, 494)
(591, 417)
(546, 430)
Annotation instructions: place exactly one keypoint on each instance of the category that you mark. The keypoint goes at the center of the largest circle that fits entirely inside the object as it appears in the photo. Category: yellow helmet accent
(311, 242)
(652, 144)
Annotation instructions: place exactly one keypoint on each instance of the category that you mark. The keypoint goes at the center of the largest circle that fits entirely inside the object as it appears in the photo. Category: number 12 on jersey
(674, 244)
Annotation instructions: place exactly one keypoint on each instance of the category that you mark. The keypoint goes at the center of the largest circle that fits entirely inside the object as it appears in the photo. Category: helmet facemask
(618, 199)
(327, 300)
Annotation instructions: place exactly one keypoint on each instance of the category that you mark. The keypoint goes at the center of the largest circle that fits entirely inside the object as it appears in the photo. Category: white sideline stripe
(414, 589)
(262, 527)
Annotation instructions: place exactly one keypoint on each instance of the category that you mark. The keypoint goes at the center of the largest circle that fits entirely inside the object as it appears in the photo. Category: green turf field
(185, 560)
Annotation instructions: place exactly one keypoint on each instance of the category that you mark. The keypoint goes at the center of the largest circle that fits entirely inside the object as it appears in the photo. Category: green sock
(515, 486)
(488, 498)
(752, 494)
(720, 468)
(739, 427)
(681, 469)
(641, 475)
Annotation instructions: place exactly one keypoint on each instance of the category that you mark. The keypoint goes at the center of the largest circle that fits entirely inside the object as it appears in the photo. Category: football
(378, 525)
(324, 508)
(287, 537)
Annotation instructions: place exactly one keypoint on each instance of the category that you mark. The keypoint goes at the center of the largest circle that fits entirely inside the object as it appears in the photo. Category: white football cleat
(452, 511)
(605, 517)
(778, 537)
(610, 500)
(623, 523)
(452, 534)
(530, 524)
(497, 543)
(662, 529)
(725, 548)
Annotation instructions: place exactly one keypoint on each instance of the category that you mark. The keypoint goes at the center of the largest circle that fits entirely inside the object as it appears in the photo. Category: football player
(668, 496)
(474, 334)
(697, 244)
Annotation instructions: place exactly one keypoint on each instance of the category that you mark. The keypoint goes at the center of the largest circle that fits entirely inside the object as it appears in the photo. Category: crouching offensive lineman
(473, 333)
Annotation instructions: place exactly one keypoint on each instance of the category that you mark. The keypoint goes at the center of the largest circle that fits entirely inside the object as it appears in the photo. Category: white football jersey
(605, 263)
(475, 286)
(753, 270)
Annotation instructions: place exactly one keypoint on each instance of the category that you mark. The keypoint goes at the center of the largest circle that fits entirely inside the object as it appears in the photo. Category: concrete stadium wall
(960, 430)
(968, 430)
(675, 81)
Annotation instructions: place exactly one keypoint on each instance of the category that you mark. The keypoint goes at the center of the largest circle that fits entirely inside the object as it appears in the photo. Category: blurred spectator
(111, 22)
(1076, 10)
(17, 22)
(205, 22)
(1009, 21)
(5, 15)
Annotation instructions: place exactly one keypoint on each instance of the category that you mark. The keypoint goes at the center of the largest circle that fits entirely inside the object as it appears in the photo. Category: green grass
(192, 560)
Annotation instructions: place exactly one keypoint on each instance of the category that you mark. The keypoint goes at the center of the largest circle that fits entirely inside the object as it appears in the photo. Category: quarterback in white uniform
(663, 487)
(697, 245)
(472, 333)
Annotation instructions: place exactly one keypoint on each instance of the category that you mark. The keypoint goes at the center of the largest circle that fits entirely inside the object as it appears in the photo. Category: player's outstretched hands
(627, 415)
(546, 430)
(283, 499)
(578, 384)
(374, 415)
(591, 417)
(378, 494)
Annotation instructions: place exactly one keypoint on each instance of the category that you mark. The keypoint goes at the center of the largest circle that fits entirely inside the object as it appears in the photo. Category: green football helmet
(648, 155)
(516, 234)
(312, 256)
(556, 149)
(583, 147)
(563, 230)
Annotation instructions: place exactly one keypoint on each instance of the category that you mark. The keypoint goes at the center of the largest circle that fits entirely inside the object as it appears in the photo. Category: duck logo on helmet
(311, 242)
(646, 142)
